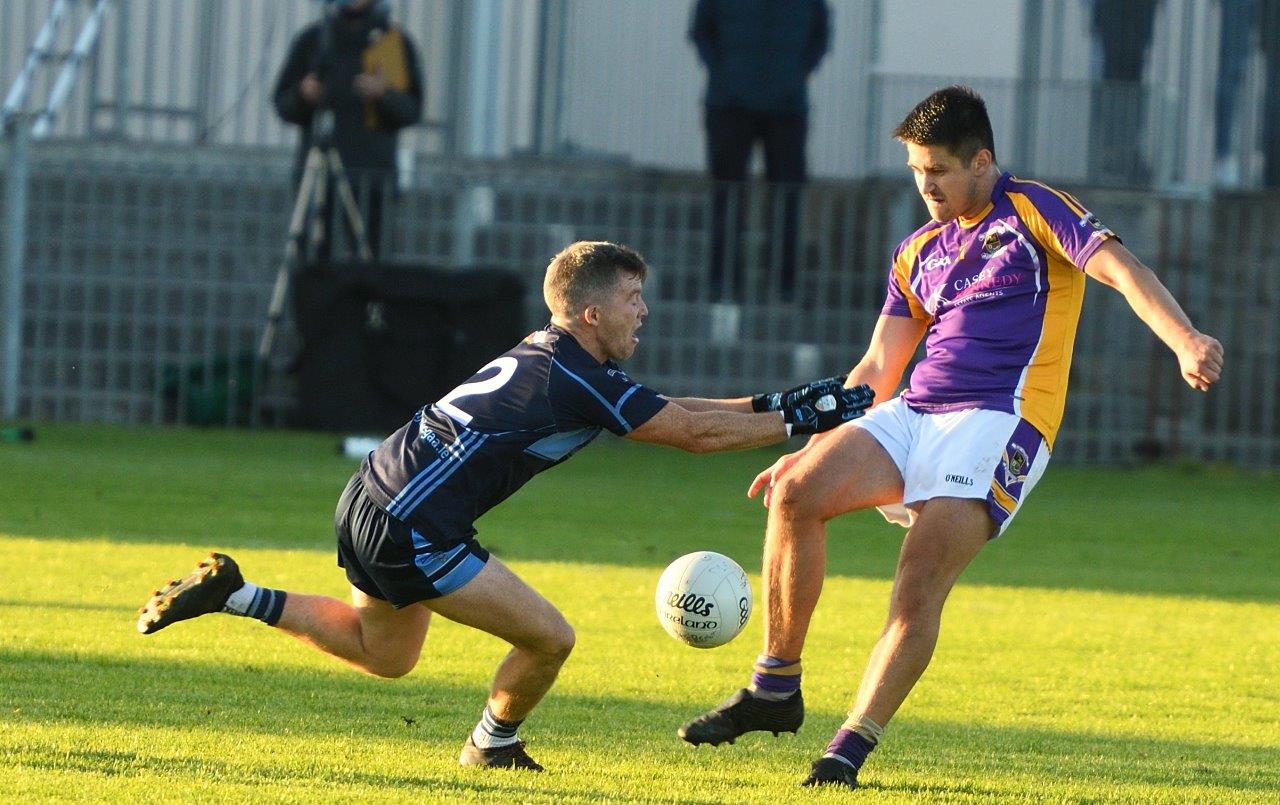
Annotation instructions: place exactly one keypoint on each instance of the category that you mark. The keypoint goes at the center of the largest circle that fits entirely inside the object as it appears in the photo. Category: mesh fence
(147, 277)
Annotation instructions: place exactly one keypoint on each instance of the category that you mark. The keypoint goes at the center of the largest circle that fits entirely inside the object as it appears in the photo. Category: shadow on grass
(1164, 531)
(6, 603)
(416, 725)
(500, 785)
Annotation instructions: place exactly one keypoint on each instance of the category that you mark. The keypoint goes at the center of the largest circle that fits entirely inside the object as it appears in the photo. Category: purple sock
(776, 677)
(850, 747)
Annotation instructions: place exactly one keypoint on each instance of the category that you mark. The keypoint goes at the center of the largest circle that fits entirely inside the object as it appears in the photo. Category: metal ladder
(17, 128)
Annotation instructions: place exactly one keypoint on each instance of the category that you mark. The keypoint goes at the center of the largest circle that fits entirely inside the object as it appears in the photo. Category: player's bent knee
(913, 605)
(555, 643)
(562, 642)
(911, 611)
(795, 499)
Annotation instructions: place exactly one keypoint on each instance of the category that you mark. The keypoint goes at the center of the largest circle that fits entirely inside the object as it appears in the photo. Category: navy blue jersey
(522, 413)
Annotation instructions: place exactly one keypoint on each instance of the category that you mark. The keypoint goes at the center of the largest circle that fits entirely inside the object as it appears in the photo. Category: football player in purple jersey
(993, 283)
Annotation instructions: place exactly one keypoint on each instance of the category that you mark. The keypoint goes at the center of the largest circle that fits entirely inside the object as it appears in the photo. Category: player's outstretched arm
(774, 401)
(712, 431)
(1199, 355)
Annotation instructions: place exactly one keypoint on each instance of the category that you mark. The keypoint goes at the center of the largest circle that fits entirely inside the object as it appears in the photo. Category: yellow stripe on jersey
(1003, 498)
(971, 222)
(1044, 387)
(1039, 227)
(1067, 198)
(902, 272)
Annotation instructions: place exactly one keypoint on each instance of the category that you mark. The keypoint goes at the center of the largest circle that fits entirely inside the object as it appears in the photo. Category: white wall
(634, 85)
(945, 38)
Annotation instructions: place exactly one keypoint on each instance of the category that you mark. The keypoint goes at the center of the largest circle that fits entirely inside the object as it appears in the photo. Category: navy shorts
(387, 559)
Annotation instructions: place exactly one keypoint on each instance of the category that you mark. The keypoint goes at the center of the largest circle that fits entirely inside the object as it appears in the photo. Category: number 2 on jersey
(506, 366)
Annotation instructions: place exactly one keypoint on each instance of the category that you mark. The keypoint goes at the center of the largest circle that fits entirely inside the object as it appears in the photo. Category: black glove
(795, 396)
(828, 411)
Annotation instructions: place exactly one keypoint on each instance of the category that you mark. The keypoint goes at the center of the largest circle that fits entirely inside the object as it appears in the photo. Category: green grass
(1120, 644)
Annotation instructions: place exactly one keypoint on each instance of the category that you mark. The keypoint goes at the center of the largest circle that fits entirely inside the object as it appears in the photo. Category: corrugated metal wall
(621, 78)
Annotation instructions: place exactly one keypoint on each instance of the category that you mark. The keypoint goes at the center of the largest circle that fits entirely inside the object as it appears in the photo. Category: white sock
(491, 732)
(241, 600)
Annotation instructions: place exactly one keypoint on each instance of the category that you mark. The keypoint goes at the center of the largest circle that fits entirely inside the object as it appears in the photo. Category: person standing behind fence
(1238, 20)
(759, 55)
(1268, 25)
(370, 78)
(1123, 31)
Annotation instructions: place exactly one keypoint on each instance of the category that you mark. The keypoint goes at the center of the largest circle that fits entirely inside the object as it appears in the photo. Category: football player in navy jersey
(404, 523)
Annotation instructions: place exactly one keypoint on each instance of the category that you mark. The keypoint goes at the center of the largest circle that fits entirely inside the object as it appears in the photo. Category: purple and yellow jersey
(1001, 293)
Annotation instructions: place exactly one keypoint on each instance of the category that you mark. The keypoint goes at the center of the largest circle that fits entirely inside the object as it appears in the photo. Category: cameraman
(365, 69)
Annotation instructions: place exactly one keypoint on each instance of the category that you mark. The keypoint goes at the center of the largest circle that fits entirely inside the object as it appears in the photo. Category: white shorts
(975, 453)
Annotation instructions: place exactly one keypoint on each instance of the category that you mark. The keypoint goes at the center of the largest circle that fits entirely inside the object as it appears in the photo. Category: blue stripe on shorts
(463, 572)
(449, 569)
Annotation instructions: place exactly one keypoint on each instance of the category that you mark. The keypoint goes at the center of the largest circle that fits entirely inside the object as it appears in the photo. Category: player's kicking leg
(846, 471)
(941, 543)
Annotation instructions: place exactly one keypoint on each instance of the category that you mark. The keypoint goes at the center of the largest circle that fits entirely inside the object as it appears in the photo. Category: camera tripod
(323, 167)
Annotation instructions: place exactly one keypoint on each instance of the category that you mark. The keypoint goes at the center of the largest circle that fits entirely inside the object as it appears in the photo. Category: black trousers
(1271, 121)
(732, 134)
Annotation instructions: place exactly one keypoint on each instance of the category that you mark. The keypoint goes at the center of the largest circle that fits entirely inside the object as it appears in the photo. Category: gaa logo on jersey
(1015, 465)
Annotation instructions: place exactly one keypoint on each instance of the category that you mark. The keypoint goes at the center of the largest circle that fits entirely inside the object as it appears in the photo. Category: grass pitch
(1120, 644)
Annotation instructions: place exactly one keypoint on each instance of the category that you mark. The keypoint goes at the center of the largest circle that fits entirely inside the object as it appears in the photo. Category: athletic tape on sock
(864, 726)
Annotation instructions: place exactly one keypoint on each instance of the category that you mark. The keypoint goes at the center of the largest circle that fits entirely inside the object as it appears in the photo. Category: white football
(703, 599)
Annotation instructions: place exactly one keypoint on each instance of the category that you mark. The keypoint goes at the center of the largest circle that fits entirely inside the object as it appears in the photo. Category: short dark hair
(582, 271)
(954, 117)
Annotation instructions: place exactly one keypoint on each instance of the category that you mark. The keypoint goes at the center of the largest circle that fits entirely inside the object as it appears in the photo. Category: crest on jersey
(1089, 220)
(1016, 462)
(991, 243)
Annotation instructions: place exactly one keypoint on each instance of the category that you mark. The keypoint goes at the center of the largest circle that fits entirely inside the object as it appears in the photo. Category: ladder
(17, 128)
(43, 56)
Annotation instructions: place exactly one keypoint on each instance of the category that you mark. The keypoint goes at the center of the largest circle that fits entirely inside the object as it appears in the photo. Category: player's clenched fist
(1200, 359)
(833, 408)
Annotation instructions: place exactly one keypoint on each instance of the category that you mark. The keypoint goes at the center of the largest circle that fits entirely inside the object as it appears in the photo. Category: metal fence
(147, 276)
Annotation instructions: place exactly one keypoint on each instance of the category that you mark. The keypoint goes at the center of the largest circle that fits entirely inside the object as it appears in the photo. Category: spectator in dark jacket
(1238, 21)
(365, 70)
(759, 55)
(1268, 26)
(1123, 31)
